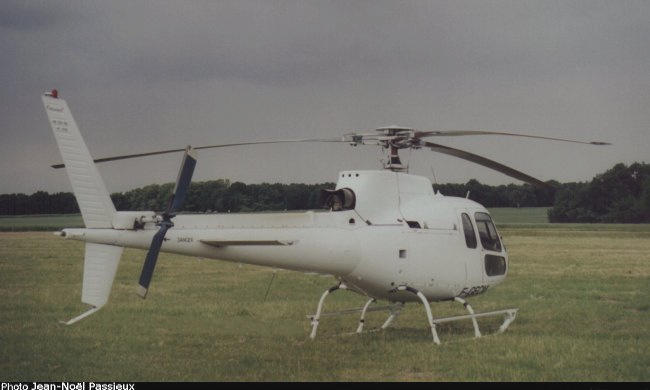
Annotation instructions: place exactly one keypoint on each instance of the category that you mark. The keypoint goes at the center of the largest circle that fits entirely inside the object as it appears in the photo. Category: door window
(487, 232)
(468, 229)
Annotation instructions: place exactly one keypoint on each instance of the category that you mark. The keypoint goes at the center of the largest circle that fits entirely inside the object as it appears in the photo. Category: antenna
(275, 271)
(433, 173)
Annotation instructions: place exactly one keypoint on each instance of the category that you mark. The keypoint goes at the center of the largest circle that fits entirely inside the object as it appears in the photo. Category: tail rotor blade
(183, 180)
(152, 258)
(175, 203)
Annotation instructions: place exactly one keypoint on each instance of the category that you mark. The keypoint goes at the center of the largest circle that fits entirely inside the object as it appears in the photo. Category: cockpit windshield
(487, 232)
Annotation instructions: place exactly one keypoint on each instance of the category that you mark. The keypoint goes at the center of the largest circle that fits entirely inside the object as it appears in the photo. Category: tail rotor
(175, 203)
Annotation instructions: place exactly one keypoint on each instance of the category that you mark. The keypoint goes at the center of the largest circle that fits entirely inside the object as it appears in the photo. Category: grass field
(523, 215)
(26, 223)
(582, 291)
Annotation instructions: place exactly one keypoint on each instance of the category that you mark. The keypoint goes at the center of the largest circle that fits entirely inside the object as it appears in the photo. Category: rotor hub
(393, 139)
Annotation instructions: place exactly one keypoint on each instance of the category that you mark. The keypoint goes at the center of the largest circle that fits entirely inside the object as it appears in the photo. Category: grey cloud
(137, 72)
(24, 15)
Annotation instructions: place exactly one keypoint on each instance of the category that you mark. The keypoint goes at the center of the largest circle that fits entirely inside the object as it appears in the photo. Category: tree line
(511, 195)
(39, 202)
(621, 194)
(206, 196)
(223, 196)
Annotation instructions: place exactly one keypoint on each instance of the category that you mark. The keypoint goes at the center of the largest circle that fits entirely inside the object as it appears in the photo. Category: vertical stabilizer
(100, 267)
(94, 201)
(97, 209)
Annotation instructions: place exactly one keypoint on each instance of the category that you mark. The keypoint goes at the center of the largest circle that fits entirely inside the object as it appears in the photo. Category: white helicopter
(386, 235)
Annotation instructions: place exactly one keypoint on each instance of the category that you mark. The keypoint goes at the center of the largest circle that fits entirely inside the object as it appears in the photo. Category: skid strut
(427, 307)
(362, 319)
(394, 309)
(477, 332)
(316, 318)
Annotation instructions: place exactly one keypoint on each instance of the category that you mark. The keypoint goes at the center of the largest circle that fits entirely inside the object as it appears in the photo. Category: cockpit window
(468, 229)
(487, 232)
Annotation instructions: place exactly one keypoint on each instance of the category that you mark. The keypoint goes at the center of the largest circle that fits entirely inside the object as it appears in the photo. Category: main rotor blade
(183, 180)
(456, 133)
(486, 163)
(128, 156)
(152, 256)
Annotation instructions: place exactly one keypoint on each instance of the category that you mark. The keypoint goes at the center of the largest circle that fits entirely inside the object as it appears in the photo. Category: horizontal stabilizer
(221, 243)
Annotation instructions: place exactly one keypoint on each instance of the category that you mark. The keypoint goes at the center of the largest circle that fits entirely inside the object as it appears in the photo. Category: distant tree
(511, 195)
(121, 201)
(621, 194)
(64, 203)
(570, 204)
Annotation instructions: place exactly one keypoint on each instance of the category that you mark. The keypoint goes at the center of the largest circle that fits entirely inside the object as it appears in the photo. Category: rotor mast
(396, 138)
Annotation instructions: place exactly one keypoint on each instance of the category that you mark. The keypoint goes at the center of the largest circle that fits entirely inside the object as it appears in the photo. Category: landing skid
(395, 309)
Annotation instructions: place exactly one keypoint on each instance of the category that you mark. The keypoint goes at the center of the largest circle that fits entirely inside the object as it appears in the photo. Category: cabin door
(472, 249)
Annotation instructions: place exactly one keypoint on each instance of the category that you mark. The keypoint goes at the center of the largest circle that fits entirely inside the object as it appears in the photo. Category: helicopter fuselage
(383, 230)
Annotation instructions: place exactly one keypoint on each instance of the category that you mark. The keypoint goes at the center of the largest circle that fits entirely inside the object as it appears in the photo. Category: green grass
(523, 215)
(582, 291)
(49, 222)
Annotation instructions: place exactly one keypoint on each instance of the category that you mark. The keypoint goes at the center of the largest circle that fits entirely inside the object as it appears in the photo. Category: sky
(146, 75)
